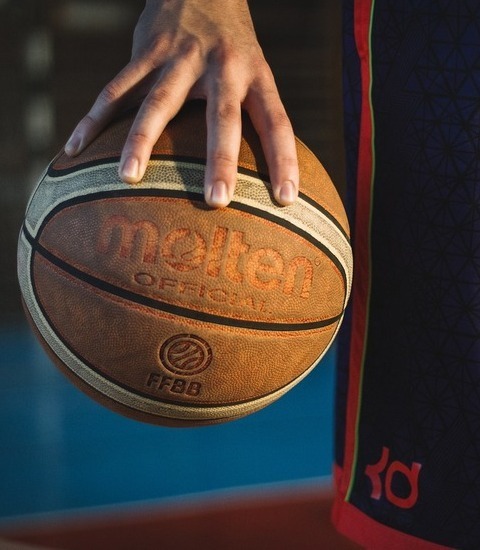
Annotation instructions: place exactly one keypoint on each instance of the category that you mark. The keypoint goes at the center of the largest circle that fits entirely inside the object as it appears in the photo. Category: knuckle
(157, 99)
(224, 54)
(110, 94)
(230, 62)
(228, 112)
(263, 84)
(286, 161)
(88, 123)
(156, 50)
(191, 48)
(137, 139)
(262, 78)
(184, 57)
(223, 158)
(278, 120)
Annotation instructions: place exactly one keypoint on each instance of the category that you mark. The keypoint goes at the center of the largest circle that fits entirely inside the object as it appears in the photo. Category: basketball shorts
(408, 379)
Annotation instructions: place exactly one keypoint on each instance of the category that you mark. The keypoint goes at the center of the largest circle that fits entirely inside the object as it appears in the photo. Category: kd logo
(373, 471)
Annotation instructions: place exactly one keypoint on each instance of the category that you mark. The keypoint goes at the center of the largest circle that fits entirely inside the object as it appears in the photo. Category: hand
(184, 49)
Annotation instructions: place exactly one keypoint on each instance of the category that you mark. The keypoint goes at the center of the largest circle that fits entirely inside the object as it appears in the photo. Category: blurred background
(65, 460)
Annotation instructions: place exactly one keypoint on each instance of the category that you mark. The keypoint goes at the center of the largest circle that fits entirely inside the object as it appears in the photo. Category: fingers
(227, 87)
(273, 126)
(166, 95)
(224, 133)
(224, 136)
(159, 107)
(107, 105)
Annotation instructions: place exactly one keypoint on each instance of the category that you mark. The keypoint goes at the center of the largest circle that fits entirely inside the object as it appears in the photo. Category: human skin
(186, 49)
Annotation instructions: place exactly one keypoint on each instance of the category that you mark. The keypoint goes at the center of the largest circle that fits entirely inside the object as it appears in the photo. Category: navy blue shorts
(408, 388)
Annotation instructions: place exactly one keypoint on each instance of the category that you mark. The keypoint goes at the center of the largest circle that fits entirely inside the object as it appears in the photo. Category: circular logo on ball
(186, 354)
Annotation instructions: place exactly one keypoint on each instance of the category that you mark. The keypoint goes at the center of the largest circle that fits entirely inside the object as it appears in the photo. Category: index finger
(107, 104)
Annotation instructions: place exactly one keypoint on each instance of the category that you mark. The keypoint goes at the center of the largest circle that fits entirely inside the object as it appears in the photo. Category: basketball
(171, 312)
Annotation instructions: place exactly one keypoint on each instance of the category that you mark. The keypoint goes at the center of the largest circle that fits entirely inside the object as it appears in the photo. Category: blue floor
(61, 451)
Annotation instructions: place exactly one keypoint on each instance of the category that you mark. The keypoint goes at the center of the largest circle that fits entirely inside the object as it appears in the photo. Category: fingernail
(73, 145)
(129, 170)
(219, 194)
(287, 193)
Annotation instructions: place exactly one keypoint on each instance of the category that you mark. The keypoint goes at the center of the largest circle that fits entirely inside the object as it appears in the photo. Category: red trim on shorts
(371, 534)
(348, 519)
(361, 252)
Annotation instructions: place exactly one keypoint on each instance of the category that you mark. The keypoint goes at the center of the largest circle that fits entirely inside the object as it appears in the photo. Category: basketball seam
(59, 172)
(116, 384)
(170, 308)
(328, 232)
(143, 308)
(191, 195)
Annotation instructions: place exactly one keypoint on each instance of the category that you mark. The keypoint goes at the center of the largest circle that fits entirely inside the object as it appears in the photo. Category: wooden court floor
(293, 520)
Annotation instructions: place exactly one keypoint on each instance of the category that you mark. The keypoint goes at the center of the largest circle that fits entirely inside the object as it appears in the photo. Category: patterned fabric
(408, 399)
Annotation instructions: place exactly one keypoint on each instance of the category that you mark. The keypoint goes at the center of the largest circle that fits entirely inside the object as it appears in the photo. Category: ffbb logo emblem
(186, 354)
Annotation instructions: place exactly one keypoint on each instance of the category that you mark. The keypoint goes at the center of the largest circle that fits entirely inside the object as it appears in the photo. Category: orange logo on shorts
(395, 468)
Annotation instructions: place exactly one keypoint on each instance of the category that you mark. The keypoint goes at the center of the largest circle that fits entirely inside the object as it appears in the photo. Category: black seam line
(197, 196)
(58, 172)
(119, 384)
(169, 308)
(167, 415)
(142, 394)
(105, 375)
(201, 162)
(326, 213)
(295, 229)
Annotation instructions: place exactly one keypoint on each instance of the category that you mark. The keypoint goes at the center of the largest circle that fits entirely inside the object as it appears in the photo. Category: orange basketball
(171, 312)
